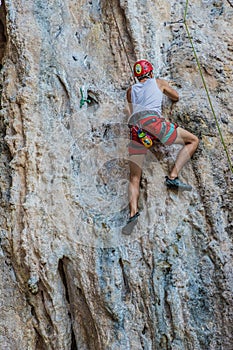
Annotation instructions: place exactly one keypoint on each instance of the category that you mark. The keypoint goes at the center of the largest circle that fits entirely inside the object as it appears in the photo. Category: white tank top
(147, 96)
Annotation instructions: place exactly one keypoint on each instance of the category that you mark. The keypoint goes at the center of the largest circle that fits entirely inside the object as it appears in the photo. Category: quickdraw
(83, 100)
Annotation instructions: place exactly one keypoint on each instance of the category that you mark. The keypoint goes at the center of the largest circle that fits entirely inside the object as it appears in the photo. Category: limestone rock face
(69, 279)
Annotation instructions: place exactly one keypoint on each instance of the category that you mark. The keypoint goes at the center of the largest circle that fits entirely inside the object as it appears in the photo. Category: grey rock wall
(69, 279)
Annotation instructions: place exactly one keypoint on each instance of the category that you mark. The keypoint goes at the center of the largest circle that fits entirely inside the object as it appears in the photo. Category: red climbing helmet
(142, 67)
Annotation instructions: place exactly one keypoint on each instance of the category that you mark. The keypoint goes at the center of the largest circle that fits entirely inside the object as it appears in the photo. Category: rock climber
(148, 126)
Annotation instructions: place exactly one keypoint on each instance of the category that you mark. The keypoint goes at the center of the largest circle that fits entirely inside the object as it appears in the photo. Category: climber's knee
(185, 137)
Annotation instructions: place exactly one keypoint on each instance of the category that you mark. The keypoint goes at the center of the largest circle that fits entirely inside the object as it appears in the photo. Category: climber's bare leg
(190, 143)
(135, 165)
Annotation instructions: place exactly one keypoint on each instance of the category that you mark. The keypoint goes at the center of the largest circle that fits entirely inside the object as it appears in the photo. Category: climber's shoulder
(166, 88)
(162, 83)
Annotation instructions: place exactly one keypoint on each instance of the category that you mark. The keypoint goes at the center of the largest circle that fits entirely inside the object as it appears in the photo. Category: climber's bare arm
(129, 100)
(167, 90)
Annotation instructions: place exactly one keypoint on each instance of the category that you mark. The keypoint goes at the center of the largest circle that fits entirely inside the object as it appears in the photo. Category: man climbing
(147, 126)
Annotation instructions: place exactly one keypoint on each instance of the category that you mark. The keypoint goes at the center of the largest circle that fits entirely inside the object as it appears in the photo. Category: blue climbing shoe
(176, 184)
(128, 228)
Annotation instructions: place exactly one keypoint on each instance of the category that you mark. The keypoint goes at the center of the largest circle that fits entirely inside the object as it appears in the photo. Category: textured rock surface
(68, 278)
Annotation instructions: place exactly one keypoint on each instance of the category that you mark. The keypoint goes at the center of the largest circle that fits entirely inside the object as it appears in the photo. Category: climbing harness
(205, 86)
(83, 100)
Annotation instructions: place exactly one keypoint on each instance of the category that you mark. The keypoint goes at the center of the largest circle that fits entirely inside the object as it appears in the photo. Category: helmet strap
(147, 75)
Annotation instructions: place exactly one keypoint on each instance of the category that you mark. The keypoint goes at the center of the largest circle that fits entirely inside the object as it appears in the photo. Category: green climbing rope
(205, 87)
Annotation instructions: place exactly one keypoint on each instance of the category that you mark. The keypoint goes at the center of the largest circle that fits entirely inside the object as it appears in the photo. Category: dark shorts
(161, 131)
